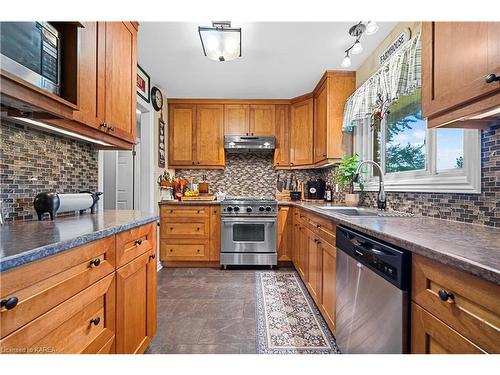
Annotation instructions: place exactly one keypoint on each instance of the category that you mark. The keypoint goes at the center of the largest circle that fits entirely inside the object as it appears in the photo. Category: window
(414, 158)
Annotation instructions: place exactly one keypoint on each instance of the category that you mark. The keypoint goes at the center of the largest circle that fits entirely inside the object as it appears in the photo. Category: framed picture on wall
(161, 143)
(143, 84)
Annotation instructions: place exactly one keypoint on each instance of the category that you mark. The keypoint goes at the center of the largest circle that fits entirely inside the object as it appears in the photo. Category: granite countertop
(24, 242)
(469, 247)
(189, 203)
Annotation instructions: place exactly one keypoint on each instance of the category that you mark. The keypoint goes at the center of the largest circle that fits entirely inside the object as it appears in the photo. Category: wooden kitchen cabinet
(456, 58)
(330, 95)
(303, 253)
(121, 78)
(236, 119)
(209, 135)
(429, 335)
(215, 224)
(195, 135)
(285, 241)
(314, 266)
(329, 273)
(282, 129)
(136, 304)
(262, 120)
(301, 132)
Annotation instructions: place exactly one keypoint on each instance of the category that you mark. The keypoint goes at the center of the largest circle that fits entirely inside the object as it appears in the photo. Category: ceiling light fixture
(220, 42)
(357, 31)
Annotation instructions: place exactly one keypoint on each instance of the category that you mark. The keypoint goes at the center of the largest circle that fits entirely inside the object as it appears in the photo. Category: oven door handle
(232, 221)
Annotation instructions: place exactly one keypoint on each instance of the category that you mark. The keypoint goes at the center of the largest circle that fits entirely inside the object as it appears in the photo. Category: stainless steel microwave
(32, 51)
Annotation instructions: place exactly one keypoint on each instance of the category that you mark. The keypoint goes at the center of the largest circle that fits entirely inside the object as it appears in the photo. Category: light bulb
(371, 28)
(346, 62)
(357, 48)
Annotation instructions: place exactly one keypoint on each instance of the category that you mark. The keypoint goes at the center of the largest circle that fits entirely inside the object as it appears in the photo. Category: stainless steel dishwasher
(372, 295)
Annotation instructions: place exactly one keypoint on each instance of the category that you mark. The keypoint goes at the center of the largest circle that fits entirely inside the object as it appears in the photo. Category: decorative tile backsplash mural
(32, 161)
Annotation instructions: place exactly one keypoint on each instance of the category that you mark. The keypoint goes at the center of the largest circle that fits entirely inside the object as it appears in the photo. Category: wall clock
(156, 98)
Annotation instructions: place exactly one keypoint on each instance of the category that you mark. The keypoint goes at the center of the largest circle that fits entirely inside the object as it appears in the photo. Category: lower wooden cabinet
(314, 266)
(78, 302)
(429, 335)
(285, 224)
(85, 323)
(136, 301)
(329, 274)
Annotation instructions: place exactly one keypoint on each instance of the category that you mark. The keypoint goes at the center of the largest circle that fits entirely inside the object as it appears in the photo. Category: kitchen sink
(367, 212)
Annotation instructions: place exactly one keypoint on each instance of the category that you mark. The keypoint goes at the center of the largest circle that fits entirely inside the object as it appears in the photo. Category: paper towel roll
(75, 202)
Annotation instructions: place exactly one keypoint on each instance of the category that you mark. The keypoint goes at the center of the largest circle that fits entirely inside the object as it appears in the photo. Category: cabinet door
(314, 265)
(214, 234)
(181, 130)
(262, 120)
(121, 79)
(136, 304)
(328, 301)
(84, 323)
(236, 119)
(301, 142)
(429, 335)
(284, 229)
(91, 73)
(320, 123)
(302, 254)
(209, 135)
(456, 57)
(282, 129)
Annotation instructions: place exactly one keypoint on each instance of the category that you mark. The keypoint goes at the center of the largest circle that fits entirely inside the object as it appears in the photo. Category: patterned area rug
(288, 321)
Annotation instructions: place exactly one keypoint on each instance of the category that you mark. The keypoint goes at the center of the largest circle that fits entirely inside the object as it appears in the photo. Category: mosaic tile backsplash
(32, 161)
(246, 174)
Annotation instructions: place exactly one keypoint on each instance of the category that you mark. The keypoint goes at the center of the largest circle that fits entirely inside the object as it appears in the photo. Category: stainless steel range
(248, 231)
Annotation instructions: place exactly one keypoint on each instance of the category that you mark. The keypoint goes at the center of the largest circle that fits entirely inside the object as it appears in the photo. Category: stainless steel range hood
(236, 143)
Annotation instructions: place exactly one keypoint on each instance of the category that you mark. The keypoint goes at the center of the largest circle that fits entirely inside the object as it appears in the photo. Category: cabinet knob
(95, 262)
(492, 78)
(318, 226)
(171, 211)
(446, 296)
(197, 250)
(138, 242)
(198, 211)
(111, 128)
(198, 229)
(103, 125)
(9, 303)
(198, 162)
(95, 321)
(152, 256)
(171, 228)
(171, 250)
(193, 162)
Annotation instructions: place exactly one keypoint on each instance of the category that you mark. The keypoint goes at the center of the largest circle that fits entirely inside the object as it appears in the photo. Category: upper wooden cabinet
(120, 77)
(103, 104)
(282, 129)
(236, 119)
(456, 59)
(330, 95)
(249, 119)
(195, 135)
(301, 132)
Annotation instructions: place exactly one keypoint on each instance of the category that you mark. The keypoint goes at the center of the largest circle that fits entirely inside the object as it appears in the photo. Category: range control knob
(261, 208)
(236, 209)
(268, 208)
(249, 209)
(229, 209)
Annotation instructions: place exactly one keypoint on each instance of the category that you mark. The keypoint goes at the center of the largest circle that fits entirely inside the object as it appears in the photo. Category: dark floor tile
(236, 291)
(249, 309)
(179, 331)
(222, 331)
(210, 309)
(183, 291)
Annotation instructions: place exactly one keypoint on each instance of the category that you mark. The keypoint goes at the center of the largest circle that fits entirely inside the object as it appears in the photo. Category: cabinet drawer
(170, 212)
(184, 230)
(134, 242)
(474, 309)
(41, 285)
(429, 335)
(184, 251)
(323, 228)
(82, 324)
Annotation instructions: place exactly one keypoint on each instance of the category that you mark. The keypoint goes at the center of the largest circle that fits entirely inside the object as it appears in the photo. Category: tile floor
(205, 310)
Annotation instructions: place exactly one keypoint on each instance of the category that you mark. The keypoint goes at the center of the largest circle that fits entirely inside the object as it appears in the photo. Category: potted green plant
(344, 176)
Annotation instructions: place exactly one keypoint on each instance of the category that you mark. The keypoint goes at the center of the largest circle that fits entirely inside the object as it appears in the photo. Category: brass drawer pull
(95, 262)
(95, 321)
(446, 296)
(138, 242)
(9, 303)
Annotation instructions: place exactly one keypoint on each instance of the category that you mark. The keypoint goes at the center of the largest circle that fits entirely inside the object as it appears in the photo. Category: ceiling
(279, 59)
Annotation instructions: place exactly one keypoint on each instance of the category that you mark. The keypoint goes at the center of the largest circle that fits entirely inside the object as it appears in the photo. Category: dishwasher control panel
(372, 260)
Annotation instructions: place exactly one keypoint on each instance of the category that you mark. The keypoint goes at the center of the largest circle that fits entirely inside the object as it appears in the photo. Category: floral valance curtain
(399, 76)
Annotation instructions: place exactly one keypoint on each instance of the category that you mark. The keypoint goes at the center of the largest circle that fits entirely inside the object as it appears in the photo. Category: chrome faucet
(381, 201)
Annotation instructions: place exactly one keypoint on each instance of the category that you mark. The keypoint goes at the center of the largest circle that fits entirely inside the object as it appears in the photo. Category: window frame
(429, 180)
